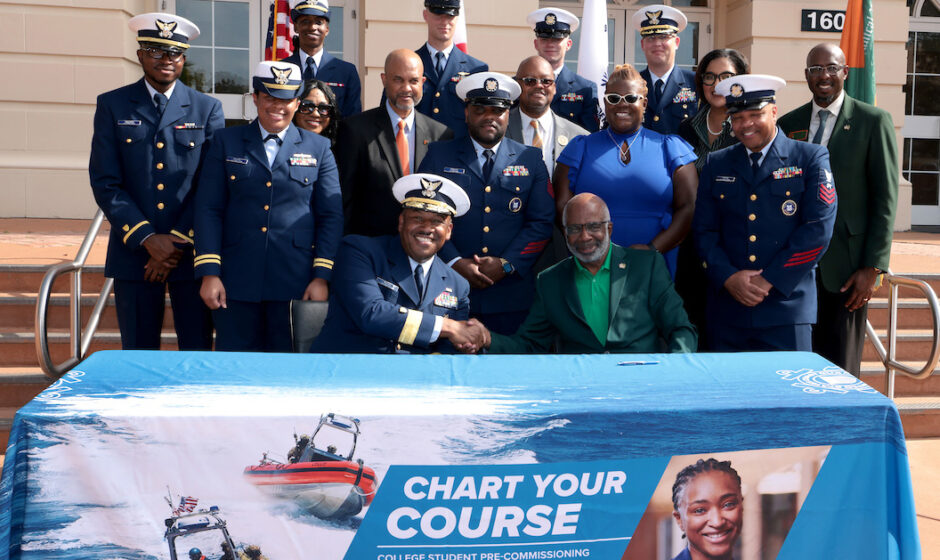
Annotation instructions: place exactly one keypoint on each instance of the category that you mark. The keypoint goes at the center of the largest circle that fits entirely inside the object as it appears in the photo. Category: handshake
(468, 337)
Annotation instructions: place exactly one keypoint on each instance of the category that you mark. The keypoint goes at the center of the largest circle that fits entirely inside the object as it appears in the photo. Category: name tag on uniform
(303, 160)
(516, 171)
(188, 126)
(725, 179)
(335, 84)
(446, 299)
(456, 170)
(129, 122)
(787, 172)
(385, 283)
(238, 160)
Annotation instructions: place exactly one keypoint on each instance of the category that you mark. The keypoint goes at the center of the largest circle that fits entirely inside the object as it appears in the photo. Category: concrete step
(873, 373)
(913, 313)
(913, 346)
(18, 348)
(18, 311)
(28, 278)
(6, 424)
(18, 385)
(920, 416)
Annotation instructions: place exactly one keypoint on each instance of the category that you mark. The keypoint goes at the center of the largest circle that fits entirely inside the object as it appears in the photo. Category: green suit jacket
(863, 153)
(644, 307)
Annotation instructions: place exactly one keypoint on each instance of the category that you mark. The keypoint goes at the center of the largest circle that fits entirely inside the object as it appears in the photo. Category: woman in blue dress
(647, 179)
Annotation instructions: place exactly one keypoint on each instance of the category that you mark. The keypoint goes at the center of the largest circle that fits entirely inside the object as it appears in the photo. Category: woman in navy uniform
(149, 140)
(269, 218)
(763, 218)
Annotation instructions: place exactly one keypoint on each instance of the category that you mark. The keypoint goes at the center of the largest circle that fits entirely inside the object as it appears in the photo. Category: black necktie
(755, 161)
(439, 65)
(488, 165)
(659, 90)
(274, 137)
(823, 117)
(419, 281)
(161, 102)
(310, 72)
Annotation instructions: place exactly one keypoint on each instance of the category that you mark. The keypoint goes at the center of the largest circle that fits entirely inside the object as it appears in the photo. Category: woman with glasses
(317, 111)
(646, 178)
(709, 129)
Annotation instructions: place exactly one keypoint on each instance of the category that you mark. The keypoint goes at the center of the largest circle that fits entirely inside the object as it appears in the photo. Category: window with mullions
(219, 60)
(920, 154)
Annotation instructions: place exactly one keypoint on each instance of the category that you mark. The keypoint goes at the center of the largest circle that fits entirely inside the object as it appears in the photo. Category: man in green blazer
(864, 157)
(605, 298)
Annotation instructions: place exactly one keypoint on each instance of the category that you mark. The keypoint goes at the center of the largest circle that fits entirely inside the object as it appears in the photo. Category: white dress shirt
(316, 60)
(426, 265)
(168, 93)
(409, 131)
(763, 151)
(547, 131)
(271, 148)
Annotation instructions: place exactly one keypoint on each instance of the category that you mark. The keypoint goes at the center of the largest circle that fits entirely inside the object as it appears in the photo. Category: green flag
(858, 46)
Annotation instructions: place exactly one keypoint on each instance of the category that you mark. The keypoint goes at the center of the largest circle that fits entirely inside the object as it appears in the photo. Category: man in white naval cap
(495, 245)
(763, 218)
(269, 218)
(149, 140)
(393, 294)
(671, 89)
(311, 20)
(575, 96)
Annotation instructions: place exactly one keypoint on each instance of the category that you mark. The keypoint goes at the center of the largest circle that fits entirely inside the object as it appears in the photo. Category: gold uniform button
(752, 217)
(160, 187)
(436, 110)
(788, 193)
(517, 189)
(684, 106)
(685, 116)
(752, 258)
(704, 264)
(191, 232)
(231, 177)
(159, 145)
(721, 195)
(264, 228)
(570, 114)
(753, 197)
(128, 140)
(306, 179)
(437, 94)
(752, 238)
(160, 165)
(268, 184)
(159, 206)
(485, 250)
(656, 118)
(487, 209)
(487, 189)
(486, 229)
(266, 207)
(192, 144)
(398, 347)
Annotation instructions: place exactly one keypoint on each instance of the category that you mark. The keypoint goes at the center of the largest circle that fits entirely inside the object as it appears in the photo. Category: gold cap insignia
(653, 17)
(491, 85)
(428, 187)
(550, 19)
(166, 28)
(737, 90)
(280, 75)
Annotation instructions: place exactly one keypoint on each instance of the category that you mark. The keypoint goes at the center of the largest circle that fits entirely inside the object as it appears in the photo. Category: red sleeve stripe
(806, 253)
(805, 260)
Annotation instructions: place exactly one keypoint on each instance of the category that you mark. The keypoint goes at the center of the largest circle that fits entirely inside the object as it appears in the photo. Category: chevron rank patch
(827, 190)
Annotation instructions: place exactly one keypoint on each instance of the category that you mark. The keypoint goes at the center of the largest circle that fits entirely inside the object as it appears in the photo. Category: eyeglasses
(614, 98)
(710, 78)
(831, 69)
(659, 37)
(531, 82)
(157, 54)
(591, 227)
(307, 107)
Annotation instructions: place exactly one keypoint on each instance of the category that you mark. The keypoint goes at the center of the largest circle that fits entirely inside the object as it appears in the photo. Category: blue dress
(638, 194)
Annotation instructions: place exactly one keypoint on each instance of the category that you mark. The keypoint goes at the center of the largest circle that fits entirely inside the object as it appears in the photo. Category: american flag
(280, 31)
(460, 33)
(187, 504)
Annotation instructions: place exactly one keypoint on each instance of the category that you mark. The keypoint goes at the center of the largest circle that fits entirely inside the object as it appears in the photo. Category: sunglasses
(157, 54)
(531, 82)
(614, 98)
(710, 78)
(307, 107)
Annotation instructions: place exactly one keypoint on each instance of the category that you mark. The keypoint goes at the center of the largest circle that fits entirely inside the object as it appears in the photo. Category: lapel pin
(425, 142)
(622, 265)
(847, 127)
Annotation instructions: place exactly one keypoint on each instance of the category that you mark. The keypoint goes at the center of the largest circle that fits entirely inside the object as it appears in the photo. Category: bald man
(864, 157)
(377, 147)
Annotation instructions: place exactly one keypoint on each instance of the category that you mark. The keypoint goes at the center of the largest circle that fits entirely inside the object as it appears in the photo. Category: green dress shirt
(594, 293)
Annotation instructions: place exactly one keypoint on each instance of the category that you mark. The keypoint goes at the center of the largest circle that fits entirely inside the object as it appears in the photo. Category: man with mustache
(379, 146)
(864, 156)
(392, 294)
(604, 298)
(150, 138)
(496, 244)
(311, 20)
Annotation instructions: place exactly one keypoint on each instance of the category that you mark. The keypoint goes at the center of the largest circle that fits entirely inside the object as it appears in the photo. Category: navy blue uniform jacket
(268, 231)
(142, 170)
(343, 79)
(440, 100)
(678, 102)
(374, 304)
(510, 215)
(779, 221)
(576, 99)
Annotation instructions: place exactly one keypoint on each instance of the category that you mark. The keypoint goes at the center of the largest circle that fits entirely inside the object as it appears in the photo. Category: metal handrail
(888, 357)
(79, 341)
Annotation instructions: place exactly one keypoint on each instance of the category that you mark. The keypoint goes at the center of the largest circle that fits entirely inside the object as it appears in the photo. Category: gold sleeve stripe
(207, 257)
(182, 236)
(325, 263)
(410, 331)
(133, 229)
(208, 261)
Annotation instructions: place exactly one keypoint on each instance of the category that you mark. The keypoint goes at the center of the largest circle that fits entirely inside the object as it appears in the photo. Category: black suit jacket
(369, 165)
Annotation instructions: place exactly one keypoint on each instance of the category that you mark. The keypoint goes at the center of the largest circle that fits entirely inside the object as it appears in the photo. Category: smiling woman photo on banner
(709, 509)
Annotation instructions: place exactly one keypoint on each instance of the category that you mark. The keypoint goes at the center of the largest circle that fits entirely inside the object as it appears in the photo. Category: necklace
(624, 153)
(710, 131)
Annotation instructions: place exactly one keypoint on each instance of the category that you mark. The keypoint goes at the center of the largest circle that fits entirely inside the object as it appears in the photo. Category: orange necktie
(536, 137)
(402, 142)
